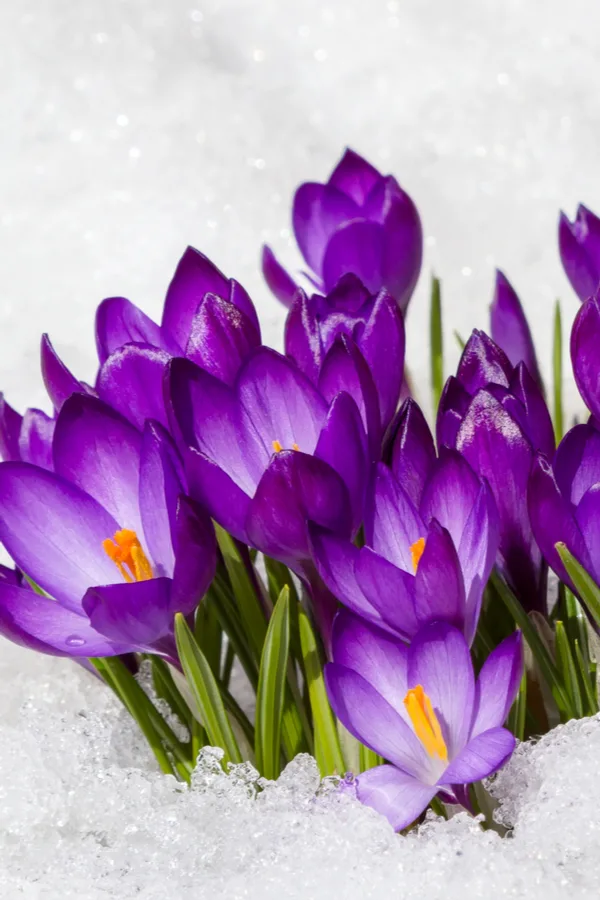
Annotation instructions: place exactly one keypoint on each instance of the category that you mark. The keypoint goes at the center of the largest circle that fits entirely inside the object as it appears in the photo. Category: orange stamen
(277, 446)
(126, 552)
(295, 447)
(425, 722)
(416, 552)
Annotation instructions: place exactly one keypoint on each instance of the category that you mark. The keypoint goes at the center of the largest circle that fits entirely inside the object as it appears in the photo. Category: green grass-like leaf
(585, 585)
(271, 689)
(436, 342)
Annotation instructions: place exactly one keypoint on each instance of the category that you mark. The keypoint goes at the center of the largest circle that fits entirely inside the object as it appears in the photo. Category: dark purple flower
(268, 453)
(109, 536)
(422, 709)
(354, 341)
(27, 438)
(585, 353)
(430, 544)
(510, 329)
(359, 221)
(564, 501)
(579, 245)
(494, 414)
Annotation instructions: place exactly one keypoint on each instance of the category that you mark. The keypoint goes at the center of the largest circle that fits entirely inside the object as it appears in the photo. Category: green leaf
(460, 341)
(557, 374)
(205, 691)
(271, 689)
(546, 664)
(245, 590)
(566, 664)
(208, 631)
(585, 585)
(436, 342)
(516, 717)
(327, 743)
(228, 614)
(368, 759)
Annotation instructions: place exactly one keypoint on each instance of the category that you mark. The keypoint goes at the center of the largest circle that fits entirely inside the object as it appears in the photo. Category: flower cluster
(210, 504)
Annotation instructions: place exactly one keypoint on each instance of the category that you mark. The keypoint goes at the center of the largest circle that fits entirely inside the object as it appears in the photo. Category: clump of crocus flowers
(210, 506)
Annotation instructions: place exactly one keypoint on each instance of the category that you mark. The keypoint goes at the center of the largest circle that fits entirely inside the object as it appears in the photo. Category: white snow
(131, 128)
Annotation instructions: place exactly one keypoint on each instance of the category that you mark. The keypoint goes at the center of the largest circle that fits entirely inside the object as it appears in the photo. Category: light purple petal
(131, 382)
(355, 247)
(54, 532)
(221, 337)
(497, 684)
(35, 439)
(397, 796)
(194, 277)
(389, 590)
(413, 450)
(354, 176)
(119, 322)
(279, 281)
(224, 500)
(10, 429)
(439, 588)
(482, 362)
(318, 210)
(59, 382)
(482, 756)
(382, 345)
(509, 327)
(477, 552)
(392, 524)
(451, 493)
(160, 484)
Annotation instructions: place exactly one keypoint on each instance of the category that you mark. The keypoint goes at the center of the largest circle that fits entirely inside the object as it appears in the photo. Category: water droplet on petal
(74, 641)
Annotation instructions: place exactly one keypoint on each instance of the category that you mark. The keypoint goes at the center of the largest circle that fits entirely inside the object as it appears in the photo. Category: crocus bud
(509, 327)
(579, 245)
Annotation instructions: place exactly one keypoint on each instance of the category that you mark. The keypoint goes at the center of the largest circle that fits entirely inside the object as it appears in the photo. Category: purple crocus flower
(585, 358)
(510, 329)
(494, 414)
(564, 501)
(431, 539)
(354, 341)
(579, 245)
(422, 710)
(27, 438)
(108, 535)
(359, 221)
(269, 453)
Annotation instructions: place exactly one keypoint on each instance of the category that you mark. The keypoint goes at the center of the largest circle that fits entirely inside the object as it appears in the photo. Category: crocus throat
(126, 552)
(278, 446)
(416, 552)
(425, 722)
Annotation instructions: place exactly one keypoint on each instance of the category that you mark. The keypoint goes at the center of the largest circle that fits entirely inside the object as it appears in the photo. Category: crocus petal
(35, 439)
(54, 532)
(119, 322)
(131, 382)
(538, 424)
(194, 277)
(454, 403)
(356, 247)
(317, 211)
(379, 658)
(509, 327)
(440, 661)
(218, 493)
(279, 281)
(383, 339)
(497, 684)
(302, 338)
(392, 524)
(280, 401)
(402, 244)
(136, 614)
(397, 796)
(99, 451)
(343, 444)
(160, 484)
(59, 382)
(371, 719)
(482, 362)
(439, 587)
(221, 337)
(240, 298)
(584, 353)
(577, 462)
(413, 450)
(10, 429)
(354, 176)
(579, 246)
(195, 557)
(43, 625)
(587, 516)
(294, 489)
(482, 756)
(477, 552)
(451, 493)
(389, 590)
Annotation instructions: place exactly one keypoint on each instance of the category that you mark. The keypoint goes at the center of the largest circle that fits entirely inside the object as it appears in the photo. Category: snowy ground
(131, 128)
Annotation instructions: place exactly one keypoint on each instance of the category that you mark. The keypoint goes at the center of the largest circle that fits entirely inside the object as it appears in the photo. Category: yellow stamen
(416, 552)
(126, 552)
(295, 447)
(277, 446)
(425, 722)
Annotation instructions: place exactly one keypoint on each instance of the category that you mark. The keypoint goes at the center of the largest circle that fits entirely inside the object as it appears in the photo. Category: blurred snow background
(131, 128)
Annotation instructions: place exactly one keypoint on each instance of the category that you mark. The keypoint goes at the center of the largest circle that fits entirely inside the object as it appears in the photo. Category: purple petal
(371, 719)
(413, 450)
(402, 244)
(439, 586)
(240, 298)
(136, 614)
(355, 247)
(587, 516)
(319, 209)
(59, 382)
(577, 462)
(382, 345)
(451, 492)
(497, 684)
(538, 424)
(195, 557)
(482, 756)
(579, 246)
(390, 591)
(221, 337)
(160, 484)
(509, 327)
(194, 277)
(119, 322)
(343, 444)
(392, 524)
(454, 403)
(280, 401)
(477, 552)
(131, 382)
(354, 176)
(440, 661)
(397, 796)
(280, 283)
(302, 338)
(99, 451)
(54, 532)
(218, 493)
(43, 625)
(482, 362)
(10, 429)
(584, 353)
(35, 440)
(296, 488)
